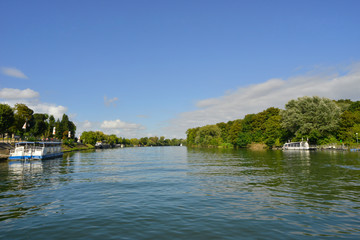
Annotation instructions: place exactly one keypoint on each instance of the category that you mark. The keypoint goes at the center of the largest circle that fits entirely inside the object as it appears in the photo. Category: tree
(22, 114)
(273, 131)
(191, 135)
(311, 116)
(112, 139)
(6, 118)
(39, 124)
(134, 141)
(355, 107)
(235, 129)
(64, 126)
(89, 137)
(143, 141)
(209, 135)
(346, 126)
(244, 139)
(51, 125)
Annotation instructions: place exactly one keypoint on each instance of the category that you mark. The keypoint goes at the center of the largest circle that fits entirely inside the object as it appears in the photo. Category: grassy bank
(76, 147)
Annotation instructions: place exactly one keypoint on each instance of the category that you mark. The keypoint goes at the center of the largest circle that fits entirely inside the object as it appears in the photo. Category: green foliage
(7, 118)
(191, 135)
(38, 125)
(92, 137)
(354, 107)
(69, 142)
(22, 114)
(262, 127)
(320, 120)
(311, 116)
(235, 129)
(243, 140)
(63, 127)
(209, 135)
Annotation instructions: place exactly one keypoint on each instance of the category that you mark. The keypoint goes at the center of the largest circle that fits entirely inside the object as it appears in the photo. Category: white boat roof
(37, 143)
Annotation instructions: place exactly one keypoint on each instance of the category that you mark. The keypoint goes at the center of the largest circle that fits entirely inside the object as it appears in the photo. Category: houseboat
(303, 145)
(36, 150)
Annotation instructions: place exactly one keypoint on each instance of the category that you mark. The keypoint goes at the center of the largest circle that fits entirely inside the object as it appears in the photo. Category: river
(182, 193)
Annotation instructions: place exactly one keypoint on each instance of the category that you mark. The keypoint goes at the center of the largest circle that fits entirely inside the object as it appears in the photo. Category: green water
(182, 193)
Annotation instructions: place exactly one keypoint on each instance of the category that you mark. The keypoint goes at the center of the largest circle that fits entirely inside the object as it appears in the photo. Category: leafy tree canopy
(311, 115)
(6, 117)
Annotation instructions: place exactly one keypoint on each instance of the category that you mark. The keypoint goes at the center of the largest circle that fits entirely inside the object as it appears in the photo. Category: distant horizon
(158, 68)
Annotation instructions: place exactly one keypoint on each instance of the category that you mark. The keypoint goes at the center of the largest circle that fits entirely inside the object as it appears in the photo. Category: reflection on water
(175, 192)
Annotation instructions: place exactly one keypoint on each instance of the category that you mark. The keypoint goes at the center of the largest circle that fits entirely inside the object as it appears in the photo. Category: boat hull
(48, 156)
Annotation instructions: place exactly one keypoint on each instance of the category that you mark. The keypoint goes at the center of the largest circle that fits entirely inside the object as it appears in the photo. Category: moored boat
(36, 150)
(303, 145)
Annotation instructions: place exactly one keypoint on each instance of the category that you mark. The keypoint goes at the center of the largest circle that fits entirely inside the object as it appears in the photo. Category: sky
(157, 68)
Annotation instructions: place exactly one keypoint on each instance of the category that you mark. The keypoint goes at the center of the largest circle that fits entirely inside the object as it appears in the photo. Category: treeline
(321, 120)
(21, 121)
(92, 137)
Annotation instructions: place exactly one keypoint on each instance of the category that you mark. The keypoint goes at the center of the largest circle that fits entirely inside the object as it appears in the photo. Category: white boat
(303, 145)
(36, 150)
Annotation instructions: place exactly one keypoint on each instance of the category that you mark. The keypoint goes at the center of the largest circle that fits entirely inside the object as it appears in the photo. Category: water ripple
(180, 193)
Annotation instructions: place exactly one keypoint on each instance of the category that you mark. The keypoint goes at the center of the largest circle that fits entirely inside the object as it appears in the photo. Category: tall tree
(40, 124)
(312, 117)
(22, 114)
(6, 118)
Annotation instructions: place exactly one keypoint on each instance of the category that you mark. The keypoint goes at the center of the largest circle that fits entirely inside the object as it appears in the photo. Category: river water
(182, 193)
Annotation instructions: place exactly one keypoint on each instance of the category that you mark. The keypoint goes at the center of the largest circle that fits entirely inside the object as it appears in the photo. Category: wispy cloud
(30, 97)
(13, 72)
(274, 92)
(109, 102)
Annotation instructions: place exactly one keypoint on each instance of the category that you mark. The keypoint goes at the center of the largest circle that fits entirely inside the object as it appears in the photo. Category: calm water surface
(182, 193)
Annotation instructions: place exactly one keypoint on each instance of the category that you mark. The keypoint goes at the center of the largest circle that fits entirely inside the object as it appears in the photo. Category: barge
(36, 150)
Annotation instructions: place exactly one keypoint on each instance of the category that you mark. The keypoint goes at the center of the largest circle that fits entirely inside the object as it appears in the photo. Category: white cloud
(117, 127)
(30, 98)
(51, 109)
(123, 129)
(109, 102)
(13, 72)
(87, 124)
(118, 124)
(12, 93)
(272, 93)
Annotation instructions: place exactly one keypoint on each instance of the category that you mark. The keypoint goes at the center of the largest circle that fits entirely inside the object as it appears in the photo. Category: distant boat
(36, 150)
(98, 145)
(303, 145)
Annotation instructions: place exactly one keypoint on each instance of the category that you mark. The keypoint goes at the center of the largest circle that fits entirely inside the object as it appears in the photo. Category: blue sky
(144, 68)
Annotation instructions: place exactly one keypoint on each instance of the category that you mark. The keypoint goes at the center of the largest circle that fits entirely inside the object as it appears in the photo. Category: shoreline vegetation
(325, 123)
(20, 123)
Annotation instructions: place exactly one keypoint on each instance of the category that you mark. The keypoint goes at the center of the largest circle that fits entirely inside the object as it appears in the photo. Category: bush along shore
(325, 123)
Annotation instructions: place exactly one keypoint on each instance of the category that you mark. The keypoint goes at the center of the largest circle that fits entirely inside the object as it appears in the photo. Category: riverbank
(76, 147)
